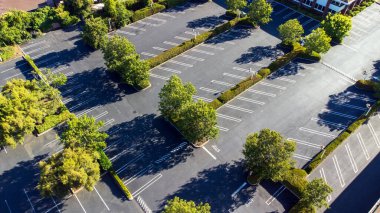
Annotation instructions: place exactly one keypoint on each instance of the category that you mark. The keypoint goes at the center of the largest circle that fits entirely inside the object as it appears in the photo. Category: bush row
(36, 70)
(147, 11)
(295, 180)
(358, 8)
(168, 54)
(120, 183)
(51, 121)
(367, 85)
(314, 56)
(104, 162)
(339, 140)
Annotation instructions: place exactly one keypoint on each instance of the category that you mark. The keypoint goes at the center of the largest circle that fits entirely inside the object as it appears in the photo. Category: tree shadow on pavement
(258, 53)
(343, 108)
(235, 33)
(216, 186)
(208, 22)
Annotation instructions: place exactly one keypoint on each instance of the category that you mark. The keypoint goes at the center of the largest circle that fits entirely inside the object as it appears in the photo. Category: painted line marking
(305, 143)
(323, 176)
(302, 157)
(181, 38)
(135, 28)
(286, 80)
(216, 149)
(212, 46)
(55, 204)
(238, 108)
(202, 51)
(250, 100)
(350, 106)
(12, 76)
(128, 163)
(272, 85)
(169, 70)
(80, 203)
(317, 132)
(141, 172)
(209, 90)
(164, 14)
(125, 32)
(202, 98)
(329, 122)
(222, 83)
(87, 111)
(110, 121)
(55, 140)
(156, 19)
(281, 11)
(241, 69)
(158, 76)
(339, 171)
(148, 54)
(37, 49)
(192, 57)
(208, 152)
(276, 193)
(29, 201)
(72, 89)
(178, 147)
(238, 189)
(102, 199)
(364, 148)
(80, 104)
(61, 69)
(222, 128)
(353, 95)
(261, 92)
(161, 159)
(180, 63)
(289, 14)
(146, 185)
(6, 152)
(228, 117)
(338, 114)
(101, 115)
(159, 48)
(143, 205)
(234, 76)
(147, 23)
(171, 43)
(9, 209)
(351, 157)
(373, 132)
(32, 45)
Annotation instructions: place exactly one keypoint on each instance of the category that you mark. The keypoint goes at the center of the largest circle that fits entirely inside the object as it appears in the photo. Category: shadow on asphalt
(221, 38)
(208, 22)
(258, 53)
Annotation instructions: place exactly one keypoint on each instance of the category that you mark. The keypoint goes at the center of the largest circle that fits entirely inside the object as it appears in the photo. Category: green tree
(14, 27)
(84, 132)
(55, 79)
(110, 7)
(95, 32)
(115, 50)
(78, 7)
(72, 168)
(268, 155)
(236, 5)
(198, 122)
(337, 26)
(173, 96)
(259, 12)
(134, 71)
(291, 31)
(123, 16)
(177, 205)
(315, 194)
(317, 41)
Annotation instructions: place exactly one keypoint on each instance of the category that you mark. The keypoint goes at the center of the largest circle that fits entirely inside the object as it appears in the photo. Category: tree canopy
(115, 50)
(95, 32)
(268, 155)
(337, 26)
(173, 96)
(134, 71)
(71, 168)
(291, 31)
(315, 194)
(260, 12)
(78, 7)
(236, 5)
(177, 205)
(317, 41)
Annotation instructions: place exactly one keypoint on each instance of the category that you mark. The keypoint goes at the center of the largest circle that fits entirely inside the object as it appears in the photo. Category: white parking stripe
(281, 11)
(145, 186)
(323, 176)
(135, 28)
(275, 194)
(302, 157)
(192, 57)
(202, 98)
(250, 100)
(141, 172)
(222, 128)
(202, 51)
(222, 83)
(349, 106)
(79, 203)
(171, 43)
(238, 190)
(158, 76)
(169, 70)
(374, 135)
(362, 145)
(286, 80)
(125, 32)
(228, 117)
(180, 63)
(317, 146)
(238, 108)
(329, 123)
(32, 45)
(61, 69)
(147, 23)
(339, 171)
(208, 152)
(241, 69)
(101, 115)
(37, 49)
(272, 85)
(212, 46)
(105, 204)
(148, 54)
(261, 92)
(159, 48)
(289, 14)
(26, 194)
(317, 132)
(181, 38)
(87, 111)
(128, 163)
(143, 205)
(338, 114)
(165, 14)
(234, 76)
(156, 19)
(209, 90)
(351, 157)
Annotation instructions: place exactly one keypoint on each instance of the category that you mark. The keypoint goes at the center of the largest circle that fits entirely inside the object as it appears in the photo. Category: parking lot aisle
(349, 159)
(16, 68)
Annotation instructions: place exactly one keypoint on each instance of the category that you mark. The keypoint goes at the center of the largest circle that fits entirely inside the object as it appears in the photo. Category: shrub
(64, 17)
(299, 208)
(367, 85)
(356, 124)
(264, 72)
(120, 183)
(134, 4)
(7, 52)
(295, 180)
(173, 3)
(34, 67)
(283, 60)
(147, 11)
(104, 162)
(215, 104)
(328, 149)
(143, 84)
(238, 88)
(51, 121)
(310, 56)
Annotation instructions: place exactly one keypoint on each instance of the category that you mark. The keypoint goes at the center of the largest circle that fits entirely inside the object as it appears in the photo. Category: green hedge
(367, 85)
(36, 70)
(285, 59)
(168, 54)
(313, 56)
(51, 121)
(358, 8)
(264, 72)
(356, 124)
(104, 162)
(7, 52)
(120, 183)
(147, 11)
(215, 104)
(238, 88)
(295, 180)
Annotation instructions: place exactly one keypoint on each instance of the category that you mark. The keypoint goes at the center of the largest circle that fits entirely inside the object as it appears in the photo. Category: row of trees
(259, 11)
(196, 120)
(335, 26)
(269, 156)
(78, 164)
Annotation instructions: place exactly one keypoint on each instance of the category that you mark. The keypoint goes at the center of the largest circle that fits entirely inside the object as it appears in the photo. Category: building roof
(27, 5)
